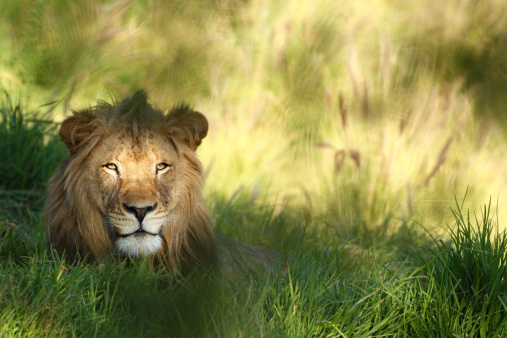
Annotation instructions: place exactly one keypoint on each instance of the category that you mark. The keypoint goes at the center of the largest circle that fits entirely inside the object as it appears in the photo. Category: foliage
(29, 154)
(319, 295)
(404, 94)
(472, 265)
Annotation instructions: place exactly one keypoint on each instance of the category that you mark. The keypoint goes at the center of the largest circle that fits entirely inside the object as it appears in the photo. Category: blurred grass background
(340, 133)
(356, 111)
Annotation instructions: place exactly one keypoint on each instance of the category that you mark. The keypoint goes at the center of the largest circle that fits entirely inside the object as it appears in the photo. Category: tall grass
(473, 266)
(343, 279)
(453, 288)
(276, 79)
(29, 153)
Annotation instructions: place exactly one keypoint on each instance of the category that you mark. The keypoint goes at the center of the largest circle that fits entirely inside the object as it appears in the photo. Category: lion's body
(132, 185)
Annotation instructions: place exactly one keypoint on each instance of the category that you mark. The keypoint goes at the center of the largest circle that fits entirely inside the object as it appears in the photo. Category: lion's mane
(76, 218)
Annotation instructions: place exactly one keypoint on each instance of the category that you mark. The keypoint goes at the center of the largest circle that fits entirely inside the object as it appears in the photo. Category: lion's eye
(162, 166)
(110, 166)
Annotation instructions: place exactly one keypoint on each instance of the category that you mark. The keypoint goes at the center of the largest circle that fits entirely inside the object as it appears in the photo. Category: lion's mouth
(138, 232)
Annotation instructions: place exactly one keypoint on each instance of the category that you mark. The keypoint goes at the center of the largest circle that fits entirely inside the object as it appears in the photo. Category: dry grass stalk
(404, 121)
(343, 110)
(323, 145)
(356, 157)
(339, 157)
(442, 157)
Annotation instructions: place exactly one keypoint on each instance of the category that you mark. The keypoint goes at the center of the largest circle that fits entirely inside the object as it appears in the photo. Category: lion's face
(138, 185)
(132, 183)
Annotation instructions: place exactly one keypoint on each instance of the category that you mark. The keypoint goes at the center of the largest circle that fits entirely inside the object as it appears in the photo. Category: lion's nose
(140, 213)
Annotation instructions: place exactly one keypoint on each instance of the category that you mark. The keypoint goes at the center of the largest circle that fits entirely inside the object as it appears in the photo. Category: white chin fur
(137, 246)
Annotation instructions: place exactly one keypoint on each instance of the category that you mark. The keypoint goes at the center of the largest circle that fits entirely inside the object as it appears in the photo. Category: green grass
(358, 279)
(451, 288)
(340, 133)
(472, 267)
(29, 153)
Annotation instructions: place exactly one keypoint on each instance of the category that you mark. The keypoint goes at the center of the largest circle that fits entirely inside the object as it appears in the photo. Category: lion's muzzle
(142, 238)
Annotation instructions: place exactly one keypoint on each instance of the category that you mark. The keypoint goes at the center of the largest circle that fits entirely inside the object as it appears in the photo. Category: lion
(132, 186)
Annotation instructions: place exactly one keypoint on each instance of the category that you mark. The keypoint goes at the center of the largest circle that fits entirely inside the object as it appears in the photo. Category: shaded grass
(462, 52)
(317, 296)
(472, 266)
(29, 153)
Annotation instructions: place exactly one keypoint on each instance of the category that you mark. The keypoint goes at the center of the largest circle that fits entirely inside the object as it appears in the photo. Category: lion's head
(132, 185)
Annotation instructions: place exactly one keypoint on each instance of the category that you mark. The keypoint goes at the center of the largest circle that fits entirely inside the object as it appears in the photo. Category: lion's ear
(75, 129)
(187, 125)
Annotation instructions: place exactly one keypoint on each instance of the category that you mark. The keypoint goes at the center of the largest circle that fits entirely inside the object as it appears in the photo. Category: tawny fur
(85, 197)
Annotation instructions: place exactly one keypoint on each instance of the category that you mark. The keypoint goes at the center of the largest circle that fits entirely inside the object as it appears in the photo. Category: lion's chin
(137, 246)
